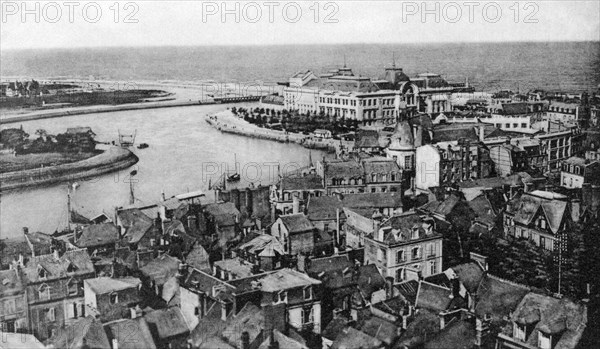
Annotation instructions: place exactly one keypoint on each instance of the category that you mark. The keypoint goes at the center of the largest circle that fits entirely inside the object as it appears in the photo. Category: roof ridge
(509, 282)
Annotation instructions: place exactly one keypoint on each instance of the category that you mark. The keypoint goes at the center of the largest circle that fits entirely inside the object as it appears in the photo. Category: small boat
(235, 176)
(143, 146)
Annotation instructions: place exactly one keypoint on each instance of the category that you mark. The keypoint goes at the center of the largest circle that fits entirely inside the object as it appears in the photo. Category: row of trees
(296, 122)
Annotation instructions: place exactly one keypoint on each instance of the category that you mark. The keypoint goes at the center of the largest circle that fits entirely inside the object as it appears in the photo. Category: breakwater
(100, 109)
(111, 160)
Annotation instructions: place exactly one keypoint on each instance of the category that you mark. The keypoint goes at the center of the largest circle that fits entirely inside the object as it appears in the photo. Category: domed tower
(402, 147)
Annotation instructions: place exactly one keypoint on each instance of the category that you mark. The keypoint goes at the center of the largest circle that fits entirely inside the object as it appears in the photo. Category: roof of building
(407, 226)
(98, 235)
(284, 342)
(457, 334)
(308, 182)
(443, 207)
(78, 261)
(551, 205)
(334, 327)
(224, 213)
(454, 132)
(84, 333)
(564, 319)
(343, 169)
(103, 285)
(250, 319)
(498, 297)
(324, 207)
(21, 341)
(11, 249)
(40, 243)
(198, 258)
(296, 223)
(265, 245)
(380, 165)
(284, 279)
(515, 108)
(408, 290)
(161, 268)
(167, 323)
(136, 223)
(351, 338)
(121, 330)
(79, 129)
(422, 326)
(369, 280)
(238, 267)
(381, 329)
(433, 297)
(470, 274)
(329, 264)
(10, 282)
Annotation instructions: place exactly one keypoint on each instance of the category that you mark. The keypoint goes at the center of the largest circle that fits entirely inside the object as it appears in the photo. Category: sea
(185, 153)
(573, 66)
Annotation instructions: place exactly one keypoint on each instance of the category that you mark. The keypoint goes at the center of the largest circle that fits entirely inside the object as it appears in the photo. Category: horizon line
(299, 44)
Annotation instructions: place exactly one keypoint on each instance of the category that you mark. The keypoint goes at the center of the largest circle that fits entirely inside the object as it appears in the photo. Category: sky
(68, 24)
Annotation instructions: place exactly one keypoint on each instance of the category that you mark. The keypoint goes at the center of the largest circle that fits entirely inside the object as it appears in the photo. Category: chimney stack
(389, 287)
(575, 210)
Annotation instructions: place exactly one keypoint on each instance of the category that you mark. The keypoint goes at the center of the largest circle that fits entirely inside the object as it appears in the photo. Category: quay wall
(274, 135)
(111, 160)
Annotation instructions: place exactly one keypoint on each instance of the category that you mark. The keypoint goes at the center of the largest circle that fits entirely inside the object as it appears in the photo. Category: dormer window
(280, 297)
(544, 340)
(415, 233)
(114, 298)
(307, 293)
(71, 268)
(42, 273)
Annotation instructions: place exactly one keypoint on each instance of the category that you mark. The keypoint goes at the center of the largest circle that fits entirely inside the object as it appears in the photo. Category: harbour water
(184, 153)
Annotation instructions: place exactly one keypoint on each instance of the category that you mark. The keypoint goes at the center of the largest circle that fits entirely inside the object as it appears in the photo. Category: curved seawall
(111, 160)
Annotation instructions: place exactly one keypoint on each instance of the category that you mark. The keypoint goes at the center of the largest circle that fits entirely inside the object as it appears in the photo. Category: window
(114, 298)
(280, 297)
(544, 340)
(50, 314)
(416, 253)
(308, 293)
(400, 275)
(42, 273)
(507, 125)
(431, 250)
(542, 241)
(432, 268)
(307, 315)
(381, 255)
(523, 125)
(44, 292)
(519, 332)
(400, 256)
(73, 288)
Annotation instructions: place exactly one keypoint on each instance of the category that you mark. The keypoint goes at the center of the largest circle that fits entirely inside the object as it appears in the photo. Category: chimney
(25, 230)
(481, 133)
(295, 204)
(273, 344)
(224, 312)
(404, 322)
(115, 343)
(191, 222)
(575, 210)
(442, 322)
(389, 287)
(245, 340)
(55, 253)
